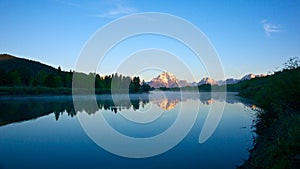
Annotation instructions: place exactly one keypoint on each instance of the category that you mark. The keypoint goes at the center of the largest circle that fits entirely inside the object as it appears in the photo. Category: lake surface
(47, 132)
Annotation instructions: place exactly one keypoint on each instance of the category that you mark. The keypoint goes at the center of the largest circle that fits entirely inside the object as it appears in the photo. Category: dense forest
(22, 76)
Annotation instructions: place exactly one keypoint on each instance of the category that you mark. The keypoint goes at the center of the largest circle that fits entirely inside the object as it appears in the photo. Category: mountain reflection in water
(17, 109)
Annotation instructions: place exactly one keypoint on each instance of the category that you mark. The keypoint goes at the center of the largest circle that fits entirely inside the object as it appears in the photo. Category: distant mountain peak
(166, 79)
(167, 76)
(207, 80)
(252, 76)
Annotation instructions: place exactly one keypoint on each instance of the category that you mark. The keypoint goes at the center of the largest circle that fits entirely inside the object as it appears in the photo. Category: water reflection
(31, 143)
(166, 104)
(17, 109)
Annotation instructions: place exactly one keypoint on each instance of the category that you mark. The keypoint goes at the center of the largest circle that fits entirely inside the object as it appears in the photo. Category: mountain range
(165, 79)
(168, 80)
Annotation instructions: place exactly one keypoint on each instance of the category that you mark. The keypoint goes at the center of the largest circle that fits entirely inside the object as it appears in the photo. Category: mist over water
(44, 132)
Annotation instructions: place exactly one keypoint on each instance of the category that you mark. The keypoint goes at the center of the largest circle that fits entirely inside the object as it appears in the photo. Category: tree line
(25, 77)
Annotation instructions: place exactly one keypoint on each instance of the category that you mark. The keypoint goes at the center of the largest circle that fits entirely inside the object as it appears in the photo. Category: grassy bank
(277, 144)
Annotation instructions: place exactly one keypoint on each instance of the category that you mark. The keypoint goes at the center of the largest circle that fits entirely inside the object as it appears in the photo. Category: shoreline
(277, 124)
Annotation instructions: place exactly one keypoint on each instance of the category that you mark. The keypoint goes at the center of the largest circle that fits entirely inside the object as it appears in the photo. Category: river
(156, 130)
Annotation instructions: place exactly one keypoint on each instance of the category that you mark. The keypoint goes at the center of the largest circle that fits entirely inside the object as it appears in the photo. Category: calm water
(45, 132)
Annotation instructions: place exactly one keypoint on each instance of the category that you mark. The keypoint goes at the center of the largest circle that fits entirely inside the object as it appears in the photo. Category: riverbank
(277, 124)
(277, 145)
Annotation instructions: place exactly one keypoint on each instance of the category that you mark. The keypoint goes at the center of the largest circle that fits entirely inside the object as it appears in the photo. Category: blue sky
(249, 36)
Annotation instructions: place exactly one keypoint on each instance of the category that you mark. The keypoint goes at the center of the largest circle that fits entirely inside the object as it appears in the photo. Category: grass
(277, 145)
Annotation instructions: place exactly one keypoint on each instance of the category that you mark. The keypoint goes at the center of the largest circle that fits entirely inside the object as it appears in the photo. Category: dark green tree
(14, 79)
(145, 87)
(3, 77)
(135, 85)
(292, 63)
(53, 80)
(40, 79)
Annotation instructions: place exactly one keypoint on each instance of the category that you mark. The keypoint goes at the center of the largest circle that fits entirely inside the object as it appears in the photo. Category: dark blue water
(46, 133)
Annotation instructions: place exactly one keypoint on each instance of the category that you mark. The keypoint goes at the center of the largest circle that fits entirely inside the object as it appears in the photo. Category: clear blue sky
(249, 36)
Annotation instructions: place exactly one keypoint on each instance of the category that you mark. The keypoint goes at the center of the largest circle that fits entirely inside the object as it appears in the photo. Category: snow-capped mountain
(234, 81)
(169, 80)
(193, 84)
(228, 81)
(251, 76)
(207, 80)
(248, 77)
(183, 83)
(165, 79)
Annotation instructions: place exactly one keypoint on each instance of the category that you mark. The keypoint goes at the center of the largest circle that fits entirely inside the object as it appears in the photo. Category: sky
(249, 36)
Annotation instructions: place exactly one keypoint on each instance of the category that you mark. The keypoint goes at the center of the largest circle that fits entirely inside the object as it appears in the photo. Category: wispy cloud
(269, 28)
(117, 10)
(109, 8)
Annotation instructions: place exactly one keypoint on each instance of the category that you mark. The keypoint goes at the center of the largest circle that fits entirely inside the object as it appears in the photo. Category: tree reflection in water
(18, 109)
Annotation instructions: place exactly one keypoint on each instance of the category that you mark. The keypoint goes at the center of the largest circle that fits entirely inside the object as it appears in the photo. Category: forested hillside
(22, 76)
(277, 124)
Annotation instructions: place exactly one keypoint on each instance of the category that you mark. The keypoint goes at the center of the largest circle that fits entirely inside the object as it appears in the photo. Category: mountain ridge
(169, 80)
(9, 62)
